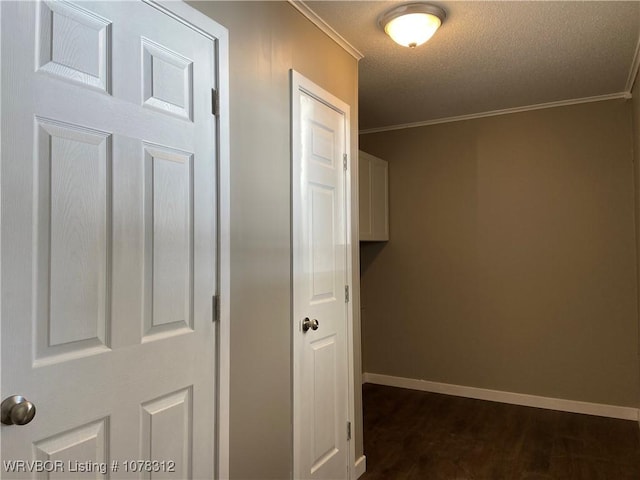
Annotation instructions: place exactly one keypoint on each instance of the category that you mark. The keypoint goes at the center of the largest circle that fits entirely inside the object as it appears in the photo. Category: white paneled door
(108, 244)
(320, 280)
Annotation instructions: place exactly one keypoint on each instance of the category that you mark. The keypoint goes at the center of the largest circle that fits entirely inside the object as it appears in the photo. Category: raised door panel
(168, 241)
(80, 453)
(73, 170)
(322, 248)
(166, 435)
(167, 80)
(74, 44)
(325, 407)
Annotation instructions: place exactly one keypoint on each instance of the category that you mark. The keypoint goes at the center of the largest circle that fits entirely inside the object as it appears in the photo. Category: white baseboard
(360, 467)
(601, 410)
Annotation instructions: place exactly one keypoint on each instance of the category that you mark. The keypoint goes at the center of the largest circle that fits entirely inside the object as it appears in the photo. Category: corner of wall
(635, 133)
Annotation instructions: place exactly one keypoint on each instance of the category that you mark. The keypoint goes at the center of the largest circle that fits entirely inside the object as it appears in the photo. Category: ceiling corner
(633, 71)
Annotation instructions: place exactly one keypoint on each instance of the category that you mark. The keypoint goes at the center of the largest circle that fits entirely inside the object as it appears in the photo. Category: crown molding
(493, 113)
(633, 72)
(312, 16)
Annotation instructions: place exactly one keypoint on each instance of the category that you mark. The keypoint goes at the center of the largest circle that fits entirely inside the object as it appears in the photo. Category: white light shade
(412, 24)
(413, 29)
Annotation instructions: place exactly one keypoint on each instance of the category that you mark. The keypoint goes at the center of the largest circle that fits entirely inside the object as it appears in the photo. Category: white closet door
(108, 237)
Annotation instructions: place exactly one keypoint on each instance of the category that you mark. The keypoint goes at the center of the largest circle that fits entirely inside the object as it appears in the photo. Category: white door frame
(301, 83)
(220, 36)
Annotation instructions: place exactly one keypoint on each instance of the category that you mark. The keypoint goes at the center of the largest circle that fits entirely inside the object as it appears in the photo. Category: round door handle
(310, 324)
(17, 410)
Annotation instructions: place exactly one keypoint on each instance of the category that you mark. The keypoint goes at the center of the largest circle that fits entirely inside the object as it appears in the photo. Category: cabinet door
(364, 167)
(379, 181)
(374, 198)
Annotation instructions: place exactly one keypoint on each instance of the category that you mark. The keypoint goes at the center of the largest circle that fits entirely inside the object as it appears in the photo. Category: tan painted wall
(511, 263)
(266, 40)
(635, 106)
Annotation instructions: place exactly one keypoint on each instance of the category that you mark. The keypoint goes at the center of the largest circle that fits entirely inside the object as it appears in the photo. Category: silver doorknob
(309, 324)
(17, 410)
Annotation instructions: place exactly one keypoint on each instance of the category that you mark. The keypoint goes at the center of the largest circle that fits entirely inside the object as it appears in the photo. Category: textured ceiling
(488, 56)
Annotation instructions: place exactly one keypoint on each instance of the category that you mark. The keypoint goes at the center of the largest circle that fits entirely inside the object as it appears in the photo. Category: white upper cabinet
(374, 197)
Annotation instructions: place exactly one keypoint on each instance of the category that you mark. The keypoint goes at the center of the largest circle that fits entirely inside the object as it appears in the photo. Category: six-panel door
(108, 239)
(319, 281)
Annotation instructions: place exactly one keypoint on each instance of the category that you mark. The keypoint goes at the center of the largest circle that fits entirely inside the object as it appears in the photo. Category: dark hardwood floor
(426, 436)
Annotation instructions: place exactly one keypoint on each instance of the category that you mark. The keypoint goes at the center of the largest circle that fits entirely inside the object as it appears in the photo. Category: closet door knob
(309, 324)
(17, 410)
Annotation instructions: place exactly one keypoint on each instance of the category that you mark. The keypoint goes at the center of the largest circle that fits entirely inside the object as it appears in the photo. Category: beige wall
(266, 40)
(511, 263)
(635, 105)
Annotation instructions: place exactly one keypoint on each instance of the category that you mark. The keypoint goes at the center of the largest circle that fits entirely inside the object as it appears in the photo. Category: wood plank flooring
(413, 435)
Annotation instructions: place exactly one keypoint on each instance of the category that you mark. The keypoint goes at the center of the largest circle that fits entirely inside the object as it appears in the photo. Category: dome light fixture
(412, 24)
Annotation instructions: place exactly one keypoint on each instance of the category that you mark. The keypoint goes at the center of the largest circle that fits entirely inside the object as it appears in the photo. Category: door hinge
(346, 294)
(215, 102)
(348, 430)
(216, 308)
(344, 161)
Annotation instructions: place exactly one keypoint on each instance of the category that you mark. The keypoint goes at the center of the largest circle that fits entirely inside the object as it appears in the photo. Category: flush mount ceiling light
(412, 24)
